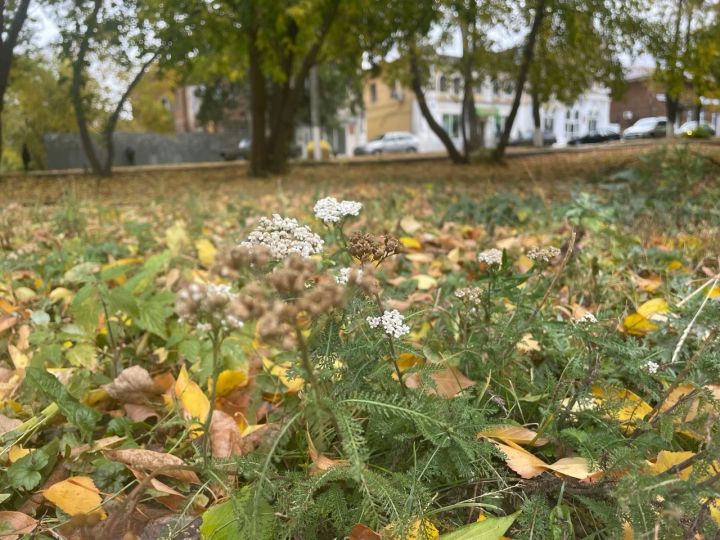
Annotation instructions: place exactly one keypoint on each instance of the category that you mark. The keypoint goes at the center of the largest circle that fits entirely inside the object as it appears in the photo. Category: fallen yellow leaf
(624, 405)
(229, 380)
(665, 460)
(410, 243)
(76, 495)
(206, 252)
(191, 397)
(516, 434)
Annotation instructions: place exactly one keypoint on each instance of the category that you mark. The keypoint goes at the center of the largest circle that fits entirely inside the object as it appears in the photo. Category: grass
(568, 398)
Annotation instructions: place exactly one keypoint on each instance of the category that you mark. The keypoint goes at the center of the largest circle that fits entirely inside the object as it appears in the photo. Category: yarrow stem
(393, 355)
(216, 338)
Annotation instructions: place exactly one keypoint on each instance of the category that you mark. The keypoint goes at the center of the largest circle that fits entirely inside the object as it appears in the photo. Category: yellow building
(387, 108)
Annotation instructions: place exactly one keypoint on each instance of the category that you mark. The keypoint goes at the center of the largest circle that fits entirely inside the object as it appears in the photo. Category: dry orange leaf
(15, 524)
(321, 462)
(449, 382)
(363, 532)
(133, 385)
(76, 495)
(148, 460)
(224, 436)
(521, 461)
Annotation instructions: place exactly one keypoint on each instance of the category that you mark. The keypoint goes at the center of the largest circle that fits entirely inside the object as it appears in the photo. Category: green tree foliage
(40, 103)
(683, 40)
(271, 45)
(114, 35)
(151, 103)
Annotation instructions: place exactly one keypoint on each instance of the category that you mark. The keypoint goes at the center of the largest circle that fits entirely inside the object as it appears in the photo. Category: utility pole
(315, 112)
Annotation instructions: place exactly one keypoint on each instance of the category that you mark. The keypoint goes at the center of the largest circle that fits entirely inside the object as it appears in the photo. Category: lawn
(527, 350)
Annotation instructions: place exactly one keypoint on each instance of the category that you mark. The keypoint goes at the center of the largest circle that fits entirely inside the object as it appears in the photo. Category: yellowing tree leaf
(624, 405)
(191, 397)
(410, 243)
(516, 434)
(76, 495)
(653, 307)
(425, 282)
(148, 460)
(417, 530)
(230, 379)
(638, 325)
(280, 371)
(665, 460)
(206, 252)
(15, 524)
(176, 237)
(16, 452)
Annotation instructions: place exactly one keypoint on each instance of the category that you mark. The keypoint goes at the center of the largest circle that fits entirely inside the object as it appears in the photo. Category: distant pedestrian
(26, 157)
(130, 155)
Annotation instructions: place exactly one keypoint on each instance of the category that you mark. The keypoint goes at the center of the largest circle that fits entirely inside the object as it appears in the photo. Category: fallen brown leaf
(14, 524)
(363, 532)
(133, 385)
(149, 460)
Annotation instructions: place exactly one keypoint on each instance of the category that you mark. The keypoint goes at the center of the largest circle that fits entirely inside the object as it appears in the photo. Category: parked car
(243, 149)
(599, 136)
(652, 126)
(526, 139)
(392, 141)
(692, 130)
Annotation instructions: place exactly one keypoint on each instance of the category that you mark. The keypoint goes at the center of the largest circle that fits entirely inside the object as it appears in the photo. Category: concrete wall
(64, 150)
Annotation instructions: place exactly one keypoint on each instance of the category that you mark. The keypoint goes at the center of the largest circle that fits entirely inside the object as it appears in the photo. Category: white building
(391, 108)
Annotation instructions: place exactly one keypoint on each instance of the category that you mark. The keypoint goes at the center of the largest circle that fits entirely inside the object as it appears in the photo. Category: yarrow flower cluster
(491, 257)
(209, 306)
(344, 276)
(588, 318)
(652, 367)
(393, 323)
(472, 295)
(330, 210)
(543, 254)
(284, 236)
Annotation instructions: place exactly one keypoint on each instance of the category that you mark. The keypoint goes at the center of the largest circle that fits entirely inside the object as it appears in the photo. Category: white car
(390, 142)
(653, 126)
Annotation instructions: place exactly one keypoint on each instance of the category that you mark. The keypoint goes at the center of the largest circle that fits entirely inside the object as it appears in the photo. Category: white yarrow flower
(652, 367)
(283, 237)
(393, 323)
(330, 210)
(491, 257)
(588, 318)
(344, 276)
(543, 254)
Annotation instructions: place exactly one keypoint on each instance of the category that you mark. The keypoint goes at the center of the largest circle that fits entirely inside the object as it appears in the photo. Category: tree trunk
(416, 83)
(115, 116)
(258, 106)
(76, 88)
(7, 47)
(537, 131)
(527, 56)
(671, 107)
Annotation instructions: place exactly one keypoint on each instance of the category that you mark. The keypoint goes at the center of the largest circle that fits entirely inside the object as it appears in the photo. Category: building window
(451, 124)
(456, 85)
(593, 121)
(395, 92)
(373, 93)
(572, 123)
(443, 84)
(549, 121)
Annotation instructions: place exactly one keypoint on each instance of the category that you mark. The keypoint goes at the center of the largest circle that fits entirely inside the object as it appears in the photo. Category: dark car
(599, 136)
(526, 139)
